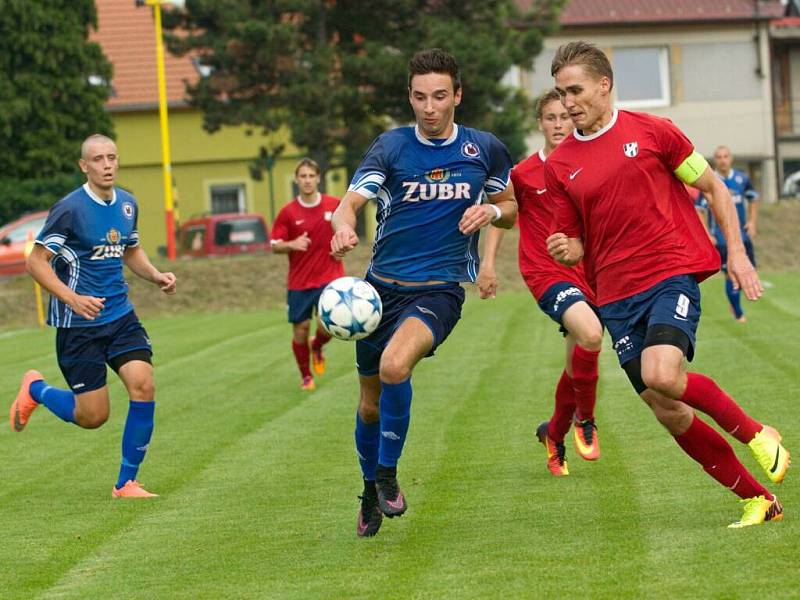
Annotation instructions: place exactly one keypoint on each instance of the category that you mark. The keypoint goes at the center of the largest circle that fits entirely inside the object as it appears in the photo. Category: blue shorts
(302, 303)
(438, 306)
(674, 301)
(558, 298)
(83, 352)
(723, 254)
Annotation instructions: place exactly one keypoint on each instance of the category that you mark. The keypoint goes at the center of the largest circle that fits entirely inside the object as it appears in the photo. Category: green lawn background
(259, 480)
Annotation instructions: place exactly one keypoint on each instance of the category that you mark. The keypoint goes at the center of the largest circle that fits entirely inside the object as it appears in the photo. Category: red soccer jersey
(314, 267)
(536, 215)
(617, 191)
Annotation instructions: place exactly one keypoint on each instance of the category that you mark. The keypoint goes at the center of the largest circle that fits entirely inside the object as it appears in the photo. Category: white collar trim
(97, 198)
(313, 204)
(596, 134)
(422, 139)
(541, 155)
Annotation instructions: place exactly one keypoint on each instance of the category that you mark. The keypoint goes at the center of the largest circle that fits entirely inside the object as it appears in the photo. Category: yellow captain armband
(691, 168)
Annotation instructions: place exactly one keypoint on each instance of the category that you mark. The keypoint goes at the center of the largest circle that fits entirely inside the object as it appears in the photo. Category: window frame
(664, 75)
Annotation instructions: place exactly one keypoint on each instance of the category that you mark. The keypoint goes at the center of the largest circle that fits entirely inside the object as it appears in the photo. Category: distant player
(562, 292)
(302, 230)
(428, 180)
(621, 206)
(745, 199)
(78, 257)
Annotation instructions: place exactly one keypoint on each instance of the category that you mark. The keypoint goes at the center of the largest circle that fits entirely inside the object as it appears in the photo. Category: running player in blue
(745, 199)
(429, 181)
(78, 259)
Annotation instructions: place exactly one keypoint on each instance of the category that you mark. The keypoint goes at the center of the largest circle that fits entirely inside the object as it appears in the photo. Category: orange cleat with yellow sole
(584, 434)
(132, 489)
(556, 453)
(24, 404)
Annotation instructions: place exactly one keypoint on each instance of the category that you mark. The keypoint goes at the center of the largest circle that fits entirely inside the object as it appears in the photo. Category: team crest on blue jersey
(113, 236)
(470, 150)
(437, 175)
(631, 149)
(127, 209)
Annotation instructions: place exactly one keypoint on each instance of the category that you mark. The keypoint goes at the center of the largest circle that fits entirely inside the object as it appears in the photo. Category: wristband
(497, 212)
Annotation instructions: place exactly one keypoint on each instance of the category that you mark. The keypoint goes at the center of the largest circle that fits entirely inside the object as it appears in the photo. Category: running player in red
(562, 293)
(302, 230)
(622, 208)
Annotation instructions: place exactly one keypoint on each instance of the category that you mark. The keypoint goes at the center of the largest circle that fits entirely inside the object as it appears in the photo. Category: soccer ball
(349, 308)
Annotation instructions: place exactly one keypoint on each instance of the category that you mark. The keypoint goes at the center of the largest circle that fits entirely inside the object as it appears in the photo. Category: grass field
(259, 480)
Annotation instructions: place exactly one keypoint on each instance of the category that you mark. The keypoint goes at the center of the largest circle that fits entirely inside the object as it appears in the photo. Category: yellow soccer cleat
(767, 450)
(131, 489)
(24, 404)
(759, 510)
(317, 359)
(556, 453)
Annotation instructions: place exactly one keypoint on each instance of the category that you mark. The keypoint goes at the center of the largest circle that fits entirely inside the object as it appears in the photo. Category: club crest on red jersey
(631, 149)
(470, 150)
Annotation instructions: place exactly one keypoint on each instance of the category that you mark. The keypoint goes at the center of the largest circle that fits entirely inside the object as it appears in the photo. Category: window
(193, 239)
(227, 199)
(240, 231)
(641, 77)
(20, 233)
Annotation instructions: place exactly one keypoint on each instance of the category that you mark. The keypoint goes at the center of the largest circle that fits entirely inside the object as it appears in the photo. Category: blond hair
(584, 54)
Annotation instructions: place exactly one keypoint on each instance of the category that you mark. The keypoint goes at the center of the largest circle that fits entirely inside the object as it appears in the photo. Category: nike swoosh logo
(17, 423)
(397, 502)
(575, 174)
(300, 222)
(777, 456)
(540, 192)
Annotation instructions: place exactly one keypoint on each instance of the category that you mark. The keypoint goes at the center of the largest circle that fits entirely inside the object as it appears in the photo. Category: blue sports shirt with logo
(88, 237)
(422, 189)
(742, 191)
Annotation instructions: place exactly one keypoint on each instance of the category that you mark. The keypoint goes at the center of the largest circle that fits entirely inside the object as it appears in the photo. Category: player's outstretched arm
(344, 224)
(500, 212)
(137, 261)
(566, 250)
(39, 267)
(740, 269)
(487, 276)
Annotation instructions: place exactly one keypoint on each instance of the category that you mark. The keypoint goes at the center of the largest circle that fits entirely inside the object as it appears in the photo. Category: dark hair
(307, 162)
(546, 98)
(587, 55)
(434, 60)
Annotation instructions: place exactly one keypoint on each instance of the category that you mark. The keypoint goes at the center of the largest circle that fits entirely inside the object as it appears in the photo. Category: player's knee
(393, 370)
(143, 388)
(592, 339)
(660, 377)
(368, 411)
(92, 419)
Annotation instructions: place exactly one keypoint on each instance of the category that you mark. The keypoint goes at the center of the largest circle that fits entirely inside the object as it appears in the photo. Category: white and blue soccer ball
(349, 308)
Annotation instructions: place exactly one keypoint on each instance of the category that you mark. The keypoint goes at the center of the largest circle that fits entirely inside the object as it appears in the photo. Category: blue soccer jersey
(742, 192)
(422, 189)
(88, 237)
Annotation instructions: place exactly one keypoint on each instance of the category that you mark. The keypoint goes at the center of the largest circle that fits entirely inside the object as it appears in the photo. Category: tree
(334, 71)
(53, 87)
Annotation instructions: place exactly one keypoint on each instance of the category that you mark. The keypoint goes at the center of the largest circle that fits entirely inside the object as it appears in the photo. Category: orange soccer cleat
(556, 453)
(317, 359)
(132, 489)
(584, 434)
(24, 404)
(308, 384)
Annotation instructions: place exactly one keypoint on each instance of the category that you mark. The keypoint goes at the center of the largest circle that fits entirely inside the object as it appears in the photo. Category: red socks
(705, 395)
(321, 337)
(584, 381)
(718, 459)
(562, 414)
(301, 355)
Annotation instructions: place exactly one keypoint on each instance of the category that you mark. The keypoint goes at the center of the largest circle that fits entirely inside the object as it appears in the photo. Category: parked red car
(223, 234)
(13, 237)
